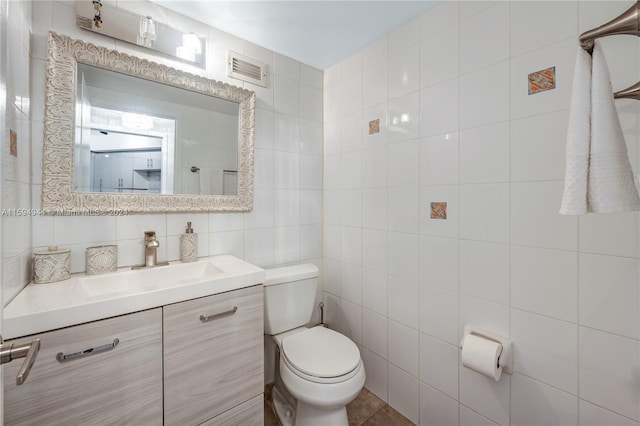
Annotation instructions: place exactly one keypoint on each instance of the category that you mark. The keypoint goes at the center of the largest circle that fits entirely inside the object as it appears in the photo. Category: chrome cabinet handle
(91, 351)
(205, 318)
(28, 351)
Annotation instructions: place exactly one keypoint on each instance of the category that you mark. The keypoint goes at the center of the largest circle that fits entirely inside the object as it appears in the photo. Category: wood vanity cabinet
(120, 385)
(168, 367)
(213, 359)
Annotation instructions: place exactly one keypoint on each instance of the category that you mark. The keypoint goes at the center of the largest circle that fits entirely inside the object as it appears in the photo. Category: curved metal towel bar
(631, 92)
(627, 23)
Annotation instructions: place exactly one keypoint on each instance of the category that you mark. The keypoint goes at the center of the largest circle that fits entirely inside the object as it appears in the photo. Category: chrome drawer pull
(206, 318)
(91, 351)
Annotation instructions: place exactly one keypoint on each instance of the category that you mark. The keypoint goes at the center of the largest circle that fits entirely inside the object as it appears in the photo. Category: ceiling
(317, 33)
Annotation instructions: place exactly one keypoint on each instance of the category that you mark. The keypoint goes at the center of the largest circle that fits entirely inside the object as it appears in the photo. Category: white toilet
(320, 368)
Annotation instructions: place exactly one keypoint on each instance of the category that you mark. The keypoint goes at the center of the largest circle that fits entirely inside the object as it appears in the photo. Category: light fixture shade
(147, 34)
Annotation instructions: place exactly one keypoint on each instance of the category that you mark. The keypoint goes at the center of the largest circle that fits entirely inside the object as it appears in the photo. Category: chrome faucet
(151, 245)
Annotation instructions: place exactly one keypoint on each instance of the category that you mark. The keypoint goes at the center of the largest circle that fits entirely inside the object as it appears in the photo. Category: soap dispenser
(189, 245)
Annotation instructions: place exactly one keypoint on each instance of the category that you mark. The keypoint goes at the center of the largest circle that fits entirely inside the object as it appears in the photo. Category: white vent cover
(246, 69)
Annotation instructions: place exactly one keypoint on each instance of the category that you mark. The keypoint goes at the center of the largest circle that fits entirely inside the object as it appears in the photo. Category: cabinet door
(250, 413)
(122, 385)
(212, 366)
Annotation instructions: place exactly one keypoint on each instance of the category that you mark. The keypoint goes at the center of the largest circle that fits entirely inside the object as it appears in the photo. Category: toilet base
(310, 415)
(284, 411)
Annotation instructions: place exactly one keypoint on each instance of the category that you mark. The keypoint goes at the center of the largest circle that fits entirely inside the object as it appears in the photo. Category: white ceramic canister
(51, 265)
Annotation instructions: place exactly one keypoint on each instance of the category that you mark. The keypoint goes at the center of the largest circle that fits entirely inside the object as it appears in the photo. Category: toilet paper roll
(481, 355)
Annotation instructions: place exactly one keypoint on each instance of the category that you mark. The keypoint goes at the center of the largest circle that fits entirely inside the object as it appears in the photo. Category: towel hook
(627, 23)
(195, 169)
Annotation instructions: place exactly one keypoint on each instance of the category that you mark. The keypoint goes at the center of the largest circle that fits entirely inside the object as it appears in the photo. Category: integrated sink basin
(149, 279)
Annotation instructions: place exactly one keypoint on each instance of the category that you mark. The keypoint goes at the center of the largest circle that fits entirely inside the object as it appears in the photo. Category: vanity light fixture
(147, 34)
(97, 7)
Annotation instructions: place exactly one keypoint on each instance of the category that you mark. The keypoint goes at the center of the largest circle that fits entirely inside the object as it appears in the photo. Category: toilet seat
(321, 355)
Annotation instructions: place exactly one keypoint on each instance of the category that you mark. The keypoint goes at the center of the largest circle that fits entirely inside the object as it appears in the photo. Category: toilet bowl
(319, 367)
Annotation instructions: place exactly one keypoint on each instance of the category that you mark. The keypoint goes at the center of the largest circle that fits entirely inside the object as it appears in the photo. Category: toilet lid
(321, 352)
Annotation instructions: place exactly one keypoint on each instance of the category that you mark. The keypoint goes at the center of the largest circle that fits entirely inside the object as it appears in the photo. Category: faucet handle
(149, 235)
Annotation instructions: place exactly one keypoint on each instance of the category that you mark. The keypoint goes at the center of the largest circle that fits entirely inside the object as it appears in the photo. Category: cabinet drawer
(250, 413)
(122, 385)
(212, 366)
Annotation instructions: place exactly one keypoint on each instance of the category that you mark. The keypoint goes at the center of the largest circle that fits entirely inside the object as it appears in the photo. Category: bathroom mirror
(170, 141)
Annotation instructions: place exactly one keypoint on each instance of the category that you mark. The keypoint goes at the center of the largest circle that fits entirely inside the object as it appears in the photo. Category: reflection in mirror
(135, 136)
(124, 134)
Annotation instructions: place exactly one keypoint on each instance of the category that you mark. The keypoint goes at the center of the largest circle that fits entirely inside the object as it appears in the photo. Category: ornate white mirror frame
(58, 194)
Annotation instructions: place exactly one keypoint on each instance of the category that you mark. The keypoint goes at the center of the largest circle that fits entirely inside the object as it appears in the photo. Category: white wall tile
(439, 57)
(375, 85)
(351, 279)
(351, 65)
(439, 365)
(376, 368)
(375, 255)
(286, 133)
(403, 164)
(404, 393)
(485, 395)
(403, 301)
(403, 255)
(547, 349)
(538, 147)
(403, 209)
(259, 246)
(439, 18)
(533, 402)
(311, 103)
(613, 234)
(525, 33)
(310, 138)
(374, 210)
(483, 315)
(351, 132)
(374, 291)
(471, 418)
(437, 408)
(286, 67)
(332, 272)
(439, 159)
(439, 262)
(439, 108)
(484, 212)
(351, 97)
(439, 313)
(484, 38)
(404, 347)
(351, 205)
(484, 270)
(609, 372)
(405, 35)
(286, 96)
(404, 117)
(310, 242)
(592, 415)
(351, 321)
(535, 220)
(484, 96)
(374, 332)
(484, 154)
(374, 167)
(610, 294)
(545, 282)
(351, 245)
(351, 170)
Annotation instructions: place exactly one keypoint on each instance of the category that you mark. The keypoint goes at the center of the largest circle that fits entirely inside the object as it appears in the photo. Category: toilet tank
(289, 295)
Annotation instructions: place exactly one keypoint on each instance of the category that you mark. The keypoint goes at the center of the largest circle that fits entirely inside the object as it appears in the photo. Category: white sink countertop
(84, 298)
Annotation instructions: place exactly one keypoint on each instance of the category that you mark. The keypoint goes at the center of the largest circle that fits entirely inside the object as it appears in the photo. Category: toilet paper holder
(505, 360)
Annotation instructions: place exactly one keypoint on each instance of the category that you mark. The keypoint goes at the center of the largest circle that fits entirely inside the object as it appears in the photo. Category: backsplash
(447, 215)
(285, 225)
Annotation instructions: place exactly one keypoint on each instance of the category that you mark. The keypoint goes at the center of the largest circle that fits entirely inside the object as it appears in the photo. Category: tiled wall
(16, 164)
(457, 125)
(285, 225)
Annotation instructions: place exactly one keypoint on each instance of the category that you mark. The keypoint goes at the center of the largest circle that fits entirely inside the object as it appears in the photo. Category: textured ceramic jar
(51, 265)
(101, 259)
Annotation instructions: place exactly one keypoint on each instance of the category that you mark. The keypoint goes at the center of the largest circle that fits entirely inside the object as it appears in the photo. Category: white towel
(598, 176)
